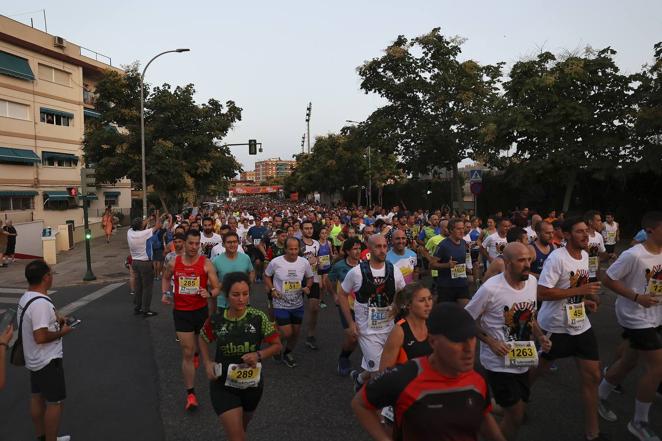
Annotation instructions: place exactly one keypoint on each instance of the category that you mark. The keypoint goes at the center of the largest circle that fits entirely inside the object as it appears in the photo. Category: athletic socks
(641, 411)
(605, 389)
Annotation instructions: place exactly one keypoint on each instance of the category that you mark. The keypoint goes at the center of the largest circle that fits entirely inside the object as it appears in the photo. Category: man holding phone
(41, 331)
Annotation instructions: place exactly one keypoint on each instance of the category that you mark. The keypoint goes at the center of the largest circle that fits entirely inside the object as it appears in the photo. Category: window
(52, 162)
(14, 203)
(54, 75)
(56, 118)
(60, 204)
(10, 109)
(111, 200)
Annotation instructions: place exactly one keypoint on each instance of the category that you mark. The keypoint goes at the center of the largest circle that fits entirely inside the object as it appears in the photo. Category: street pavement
(124, 382)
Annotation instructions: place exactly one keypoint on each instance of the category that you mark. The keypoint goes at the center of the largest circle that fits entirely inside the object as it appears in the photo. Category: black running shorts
(49, 382)
(509, 388)
(225, 398)
(190, 321)
(583, 346)
(647, 339)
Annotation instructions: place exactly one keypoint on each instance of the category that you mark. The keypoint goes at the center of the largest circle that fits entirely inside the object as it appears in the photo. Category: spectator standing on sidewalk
(3, 245)
(138, 237)
(41, 332)
(11, 241)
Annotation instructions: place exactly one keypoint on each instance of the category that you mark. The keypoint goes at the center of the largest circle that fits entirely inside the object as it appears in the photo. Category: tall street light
(142, 124)
(369, 198)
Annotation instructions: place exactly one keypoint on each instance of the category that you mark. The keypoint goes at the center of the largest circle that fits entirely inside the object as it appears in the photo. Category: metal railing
(96, 55)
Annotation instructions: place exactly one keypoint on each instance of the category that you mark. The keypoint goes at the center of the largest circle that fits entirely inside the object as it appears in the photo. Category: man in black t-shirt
(434, 398)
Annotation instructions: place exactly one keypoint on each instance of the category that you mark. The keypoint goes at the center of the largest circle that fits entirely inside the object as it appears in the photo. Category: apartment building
(273, 168)
(247, 175)
(46, 95)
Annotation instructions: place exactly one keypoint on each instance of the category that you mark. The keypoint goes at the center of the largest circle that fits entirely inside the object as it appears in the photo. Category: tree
(181, 137)
(562, 116)
(646, 153)
(437, 104)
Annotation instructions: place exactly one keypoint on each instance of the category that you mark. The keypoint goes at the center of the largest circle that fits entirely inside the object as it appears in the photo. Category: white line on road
(73, 306)
(11, 300)
(19, 291)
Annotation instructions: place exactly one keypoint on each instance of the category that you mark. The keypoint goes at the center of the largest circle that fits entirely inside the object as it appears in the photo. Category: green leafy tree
(182, 152)
(562, 116)
(437, 103)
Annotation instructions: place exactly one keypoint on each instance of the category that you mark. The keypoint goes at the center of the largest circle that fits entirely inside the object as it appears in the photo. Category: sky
(273, 58)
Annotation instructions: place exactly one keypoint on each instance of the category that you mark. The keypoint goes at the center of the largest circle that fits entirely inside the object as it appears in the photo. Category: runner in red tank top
(192, 275)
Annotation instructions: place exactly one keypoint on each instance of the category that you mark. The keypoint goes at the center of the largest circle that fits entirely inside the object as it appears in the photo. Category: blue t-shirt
(446, 249)
(256, 233)
(241, 263)
(406, 263)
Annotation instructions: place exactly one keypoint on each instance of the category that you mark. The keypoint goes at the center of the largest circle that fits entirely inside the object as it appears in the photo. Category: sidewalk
(107, 264)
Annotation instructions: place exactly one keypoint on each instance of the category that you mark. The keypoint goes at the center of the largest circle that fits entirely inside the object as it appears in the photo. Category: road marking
(19, 291)
(11, 300)
(74, 306)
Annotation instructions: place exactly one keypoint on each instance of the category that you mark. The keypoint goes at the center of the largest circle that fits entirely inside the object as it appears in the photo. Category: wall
(28, 241)
(95, 227)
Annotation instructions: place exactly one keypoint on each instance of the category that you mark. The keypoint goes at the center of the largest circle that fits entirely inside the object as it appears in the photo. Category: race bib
(467, 258)
(593, 264)
(611, 237)
(324, 261)
(459, 271)
(654, 288)
(522, 354)
(576, 314)
(242, 376)
(379, 318)
(189, 285)
(257, 242)
(388, 414)
(290, 287)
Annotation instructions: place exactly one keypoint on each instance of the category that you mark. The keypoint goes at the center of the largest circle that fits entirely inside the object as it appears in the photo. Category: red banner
(257, 190)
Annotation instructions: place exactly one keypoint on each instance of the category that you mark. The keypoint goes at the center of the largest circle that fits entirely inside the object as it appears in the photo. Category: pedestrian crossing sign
(476, 176)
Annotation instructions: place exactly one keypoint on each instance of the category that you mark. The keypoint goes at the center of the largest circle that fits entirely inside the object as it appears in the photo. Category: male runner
(208, 239)
(402, 257)
(636, 277)
(542, 246)
(283, 278)
(450, 262)
(310, 250)
(505, 308)
(255, 246)
(610, 233)
(567, 293)
(531, 230)
(494, 244)
(192, 274)
(374, 284)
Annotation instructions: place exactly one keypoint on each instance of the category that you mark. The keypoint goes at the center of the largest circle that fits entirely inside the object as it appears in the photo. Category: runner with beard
(636, 277)
(494, 244)
(505, 310)
(542, 246)
(610, 233)
(596, 245)
(567, 293)
(374, 284)
(310, 250)
(208, 239)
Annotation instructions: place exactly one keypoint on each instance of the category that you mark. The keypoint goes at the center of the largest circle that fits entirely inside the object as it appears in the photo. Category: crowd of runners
(415, 291)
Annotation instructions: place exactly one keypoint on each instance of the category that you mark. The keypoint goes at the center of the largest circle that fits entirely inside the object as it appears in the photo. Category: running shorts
(610, 248)
(49, 382)
(286, 317)
(224, 398)
(647, 339)
(314, 291)
(372, 346)
(190, 321)
(509, 388)
(583, 346)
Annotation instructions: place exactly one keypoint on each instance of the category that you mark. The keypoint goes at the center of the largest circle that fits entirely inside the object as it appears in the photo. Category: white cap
(266, 219)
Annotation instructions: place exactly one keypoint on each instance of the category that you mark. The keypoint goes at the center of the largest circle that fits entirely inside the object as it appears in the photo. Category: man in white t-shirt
(505, 309)
(531, 229)
(374, 284)
(596, 244)
(610, 233)
(567, 294)
(636, 277)
(494, 244)
(41, 332)
(208, 239)
(288, 278)
(141, 264)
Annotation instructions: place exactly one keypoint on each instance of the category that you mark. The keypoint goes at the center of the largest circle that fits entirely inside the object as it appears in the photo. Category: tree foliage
(437, 103)
(182, 151)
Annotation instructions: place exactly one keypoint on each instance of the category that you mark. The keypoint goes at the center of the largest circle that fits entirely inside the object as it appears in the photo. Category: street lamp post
(369, 198)
(142, 125)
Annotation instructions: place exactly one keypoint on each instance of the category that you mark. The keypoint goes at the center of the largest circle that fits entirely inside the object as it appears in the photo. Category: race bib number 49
(593, 264)
(522, 354)
(189, 285)
(459, 271)
(290, 287)
(576, 314)
(242, 376)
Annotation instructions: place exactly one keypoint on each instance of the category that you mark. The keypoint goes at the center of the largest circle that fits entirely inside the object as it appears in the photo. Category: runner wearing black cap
(439, 397)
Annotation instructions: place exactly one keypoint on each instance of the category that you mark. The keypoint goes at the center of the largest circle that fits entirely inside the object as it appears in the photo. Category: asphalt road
(124, 382)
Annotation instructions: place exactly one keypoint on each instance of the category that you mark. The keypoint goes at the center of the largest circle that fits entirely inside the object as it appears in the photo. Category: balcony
(89, 98)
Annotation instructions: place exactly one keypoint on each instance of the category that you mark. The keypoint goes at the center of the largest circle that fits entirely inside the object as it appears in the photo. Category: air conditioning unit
(59, 42)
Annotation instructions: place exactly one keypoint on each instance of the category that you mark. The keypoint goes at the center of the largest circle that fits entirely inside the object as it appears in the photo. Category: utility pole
(369, 201)
(309, 110)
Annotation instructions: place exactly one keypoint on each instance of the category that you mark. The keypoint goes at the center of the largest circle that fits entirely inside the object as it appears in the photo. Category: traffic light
(87, 181)
(252, 147)
(88, 234)
(72, 192)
